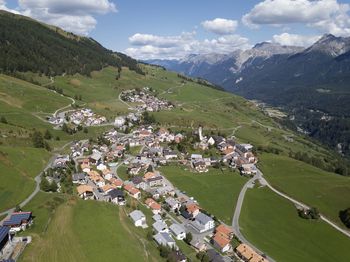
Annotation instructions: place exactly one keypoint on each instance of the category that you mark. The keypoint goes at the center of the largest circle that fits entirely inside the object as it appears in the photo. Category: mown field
(73, 233)
(273, 225)
(327, 191)
(215, 191)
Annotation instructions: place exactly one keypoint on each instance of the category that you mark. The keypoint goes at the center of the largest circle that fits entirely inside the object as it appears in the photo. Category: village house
(191, 210)
(169, 154)
(117, 197)
(155, 181)
(221, 243)
(138, 218)
(172, 203)
(203, 223)
(157, 217)
(224, 231)
(132, 191)
(138, 182)
(96, 157)
(85, 192)
(116, 182)
(160, 227)
(96, 178)
(19, 221)
(153, 205)
(107, 187)
(107, 174)
(178, 231)
(247, 254)
(165, 239)
(248, 169)
(79, 178)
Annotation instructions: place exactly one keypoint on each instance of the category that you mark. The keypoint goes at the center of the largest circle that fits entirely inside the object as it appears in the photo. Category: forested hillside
(27, 45)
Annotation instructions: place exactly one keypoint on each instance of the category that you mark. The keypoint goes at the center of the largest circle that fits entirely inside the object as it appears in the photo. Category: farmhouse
(139, 218)
(178, 231)
(19, 221)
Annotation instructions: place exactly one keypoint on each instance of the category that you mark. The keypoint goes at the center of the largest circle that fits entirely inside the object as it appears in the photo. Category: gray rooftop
(203, 219)
(136, 215)
(159, 226)
(177, 229)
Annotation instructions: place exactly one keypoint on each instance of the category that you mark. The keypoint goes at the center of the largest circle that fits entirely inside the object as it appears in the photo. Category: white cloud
(295, 40)
(76, 16)
(220, 26)
(4, 7)
(328, 16)
(146, 46)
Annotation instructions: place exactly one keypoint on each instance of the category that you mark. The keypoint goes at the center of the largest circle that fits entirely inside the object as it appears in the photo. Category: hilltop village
(124, 168)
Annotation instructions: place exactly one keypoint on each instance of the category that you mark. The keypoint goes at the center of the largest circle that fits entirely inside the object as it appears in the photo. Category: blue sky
(173, 29)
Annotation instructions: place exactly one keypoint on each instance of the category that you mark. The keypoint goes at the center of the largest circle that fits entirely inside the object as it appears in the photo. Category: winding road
(264, 182)
(37, 180)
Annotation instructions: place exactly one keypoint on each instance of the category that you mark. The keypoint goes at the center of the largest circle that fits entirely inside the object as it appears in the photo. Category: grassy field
(216, 192)
(75, 235)
(326, 191)
(18, 167)
(273, 225)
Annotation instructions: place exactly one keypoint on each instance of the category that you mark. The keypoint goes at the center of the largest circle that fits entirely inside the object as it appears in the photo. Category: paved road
(235, 220)
(62, 108)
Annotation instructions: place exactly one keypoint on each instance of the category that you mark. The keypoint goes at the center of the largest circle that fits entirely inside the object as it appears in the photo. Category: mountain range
(311, 84)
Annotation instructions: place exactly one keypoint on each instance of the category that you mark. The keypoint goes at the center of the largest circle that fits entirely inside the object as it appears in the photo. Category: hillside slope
(27, 45)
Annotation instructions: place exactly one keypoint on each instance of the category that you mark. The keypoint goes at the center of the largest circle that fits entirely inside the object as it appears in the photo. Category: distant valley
(310, 84)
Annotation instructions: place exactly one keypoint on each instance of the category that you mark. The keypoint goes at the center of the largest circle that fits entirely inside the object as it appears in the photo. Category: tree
(86, 130)
(53, 186)
(47, 135)
(38, 140)
(344, 216)
(3, 120)
(45, 185)
(188, 237)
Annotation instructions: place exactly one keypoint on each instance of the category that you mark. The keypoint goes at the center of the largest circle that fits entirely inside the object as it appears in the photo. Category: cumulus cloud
(4, 7)
(147, 46)
(326, 15)
(295, 40)
(72, 15)
(220, 26)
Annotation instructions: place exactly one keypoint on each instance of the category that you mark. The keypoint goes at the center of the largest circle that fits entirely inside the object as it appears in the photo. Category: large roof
(3, 232)
(17, 218)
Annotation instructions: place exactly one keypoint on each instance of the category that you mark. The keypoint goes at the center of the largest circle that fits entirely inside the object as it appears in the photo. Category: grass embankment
(18, 167)
(273, 225)
(215, 191)
(76, 234)
(327, 191)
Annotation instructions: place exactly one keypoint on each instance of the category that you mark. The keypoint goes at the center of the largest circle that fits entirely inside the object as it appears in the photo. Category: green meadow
(215, 191)
(327, 191)
(273, 225)
(18, 167)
